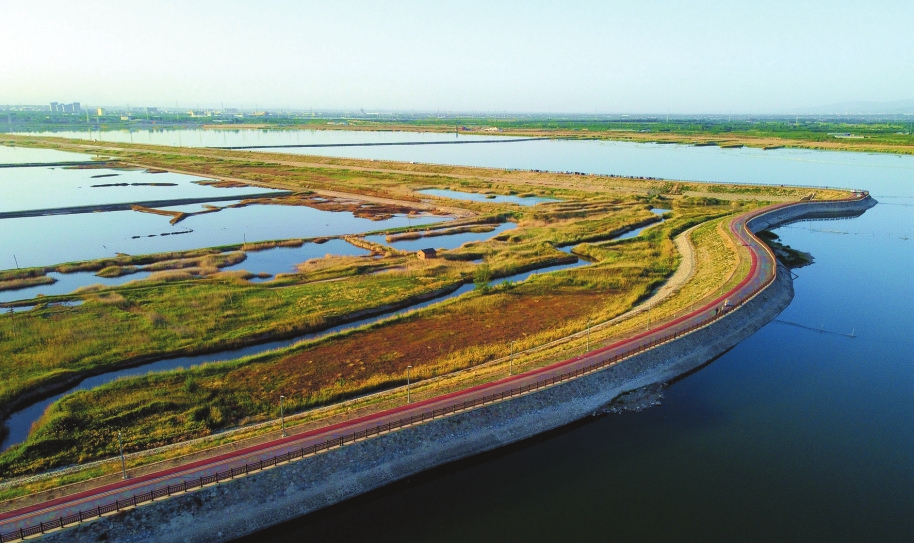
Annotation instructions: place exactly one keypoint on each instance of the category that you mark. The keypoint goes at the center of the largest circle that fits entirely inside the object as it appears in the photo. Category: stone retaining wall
(242, 506)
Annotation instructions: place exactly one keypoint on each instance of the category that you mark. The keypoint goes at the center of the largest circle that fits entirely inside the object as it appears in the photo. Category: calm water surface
(24, 155)
(58, 187)
(48, 240)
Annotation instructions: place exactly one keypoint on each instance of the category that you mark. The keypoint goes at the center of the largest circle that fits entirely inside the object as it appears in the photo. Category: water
(742, 165)
(49, 240)
(270, 261)
(67, 283)
(24, 155)
(60, 187)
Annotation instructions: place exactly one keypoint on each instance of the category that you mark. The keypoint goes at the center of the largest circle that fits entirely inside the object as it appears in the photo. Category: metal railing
(642, 344)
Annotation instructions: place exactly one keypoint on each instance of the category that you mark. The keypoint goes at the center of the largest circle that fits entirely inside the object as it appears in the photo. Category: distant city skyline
(652, 57)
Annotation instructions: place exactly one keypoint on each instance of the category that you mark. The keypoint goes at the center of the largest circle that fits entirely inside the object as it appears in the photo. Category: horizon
(872, 109)
(635, 58)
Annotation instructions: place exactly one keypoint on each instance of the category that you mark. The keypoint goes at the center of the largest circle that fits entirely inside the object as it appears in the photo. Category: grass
(26, 282)
(173, 314)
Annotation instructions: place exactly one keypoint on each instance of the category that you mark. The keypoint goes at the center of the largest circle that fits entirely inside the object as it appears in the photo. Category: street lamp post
(282, 415)
(407, 383)
(588, 335)
(120, 444)
(511, 363)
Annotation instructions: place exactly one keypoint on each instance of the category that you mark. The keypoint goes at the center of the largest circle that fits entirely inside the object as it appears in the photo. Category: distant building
(426, 254)
(59, 107)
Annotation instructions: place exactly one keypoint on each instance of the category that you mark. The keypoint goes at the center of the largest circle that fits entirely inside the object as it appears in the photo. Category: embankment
(241, 506)
(127, 206)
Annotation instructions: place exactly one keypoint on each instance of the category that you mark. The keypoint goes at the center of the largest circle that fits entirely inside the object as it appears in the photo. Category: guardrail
(641, 346)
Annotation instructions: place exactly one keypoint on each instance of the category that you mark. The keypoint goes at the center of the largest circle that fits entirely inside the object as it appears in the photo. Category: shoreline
(318, 481)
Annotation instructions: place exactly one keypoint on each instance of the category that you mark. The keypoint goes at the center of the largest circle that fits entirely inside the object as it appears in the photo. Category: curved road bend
(761, 272)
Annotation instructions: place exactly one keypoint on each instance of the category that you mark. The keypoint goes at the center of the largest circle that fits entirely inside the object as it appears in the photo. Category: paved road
(761, 272)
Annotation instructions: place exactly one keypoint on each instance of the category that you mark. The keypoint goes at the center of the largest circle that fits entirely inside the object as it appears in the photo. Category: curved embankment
(587, 383)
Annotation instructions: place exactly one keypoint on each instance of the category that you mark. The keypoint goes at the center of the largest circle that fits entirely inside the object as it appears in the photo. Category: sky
(614, 56)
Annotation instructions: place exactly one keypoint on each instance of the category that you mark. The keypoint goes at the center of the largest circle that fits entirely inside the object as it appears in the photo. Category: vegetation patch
(789, 256)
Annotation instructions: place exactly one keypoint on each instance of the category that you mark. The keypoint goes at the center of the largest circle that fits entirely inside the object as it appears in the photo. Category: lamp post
(120, 444)
(282, 415)
(407, 383)
(511, 363)
(588, 335)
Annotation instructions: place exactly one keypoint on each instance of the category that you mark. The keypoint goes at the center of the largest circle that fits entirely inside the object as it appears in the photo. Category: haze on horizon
(644, 56)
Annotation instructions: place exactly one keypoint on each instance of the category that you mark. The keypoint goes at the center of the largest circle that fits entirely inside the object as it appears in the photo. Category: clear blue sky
(699, 56)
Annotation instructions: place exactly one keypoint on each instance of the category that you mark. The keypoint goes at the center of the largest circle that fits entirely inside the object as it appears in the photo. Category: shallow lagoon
(59, 187)
(25, 155)
(48, 240)
(270, 261)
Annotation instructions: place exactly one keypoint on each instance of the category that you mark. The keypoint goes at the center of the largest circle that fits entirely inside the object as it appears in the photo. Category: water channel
(804, 431)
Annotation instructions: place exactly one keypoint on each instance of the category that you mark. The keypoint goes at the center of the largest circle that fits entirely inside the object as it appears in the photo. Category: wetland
(775, 414)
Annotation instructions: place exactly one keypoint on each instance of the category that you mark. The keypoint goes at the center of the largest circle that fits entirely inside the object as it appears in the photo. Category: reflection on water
(58, 187)
(284, 259)
(25, 155)
(66, 283)
(270, 261)
(49, 240)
